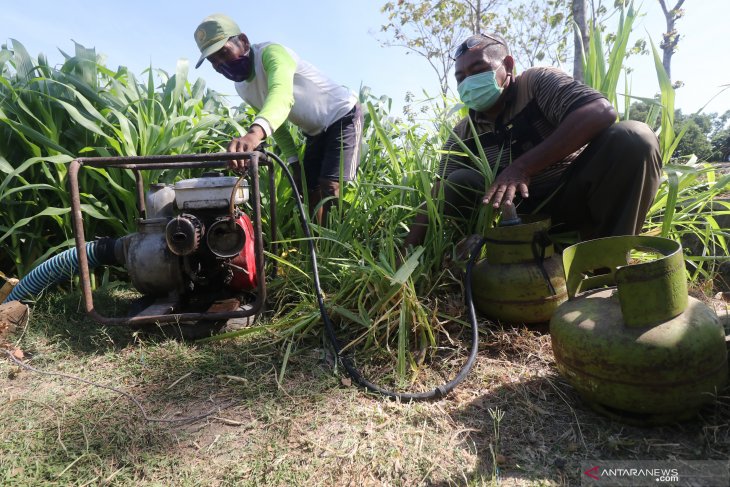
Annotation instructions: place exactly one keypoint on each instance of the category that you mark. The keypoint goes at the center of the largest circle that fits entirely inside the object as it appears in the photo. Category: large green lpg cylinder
(521, 280)
(640, 350)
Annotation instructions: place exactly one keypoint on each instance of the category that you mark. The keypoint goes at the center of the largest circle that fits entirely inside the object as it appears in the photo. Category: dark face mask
(238, 69)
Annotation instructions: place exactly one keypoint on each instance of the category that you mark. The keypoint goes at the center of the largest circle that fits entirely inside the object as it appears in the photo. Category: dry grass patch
(513, 422)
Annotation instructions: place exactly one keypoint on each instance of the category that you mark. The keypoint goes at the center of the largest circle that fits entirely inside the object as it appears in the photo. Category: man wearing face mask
(282, 87)
(554, 143)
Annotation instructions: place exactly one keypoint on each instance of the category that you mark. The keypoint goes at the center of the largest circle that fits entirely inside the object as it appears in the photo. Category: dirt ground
(514, 421)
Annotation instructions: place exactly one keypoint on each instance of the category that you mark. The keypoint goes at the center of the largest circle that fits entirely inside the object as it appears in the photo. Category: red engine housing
(245, 280)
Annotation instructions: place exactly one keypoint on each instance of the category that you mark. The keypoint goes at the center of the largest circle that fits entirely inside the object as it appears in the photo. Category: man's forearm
(575, 131)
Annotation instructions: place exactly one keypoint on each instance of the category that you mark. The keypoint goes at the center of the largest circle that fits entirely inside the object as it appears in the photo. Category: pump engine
(197, 256)
(194, 240)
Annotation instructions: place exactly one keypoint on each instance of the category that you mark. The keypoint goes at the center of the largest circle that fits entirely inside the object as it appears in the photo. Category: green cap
(212, 34)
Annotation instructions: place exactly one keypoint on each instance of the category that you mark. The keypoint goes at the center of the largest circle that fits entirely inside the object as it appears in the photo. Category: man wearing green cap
(280, 86)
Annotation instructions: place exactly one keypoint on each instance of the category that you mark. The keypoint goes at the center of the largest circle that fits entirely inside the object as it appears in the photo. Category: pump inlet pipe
(62, 267)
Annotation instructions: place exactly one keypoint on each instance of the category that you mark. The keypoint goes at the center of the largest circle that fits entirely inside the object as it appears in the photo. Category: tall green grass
(685, 207)
(387, 304)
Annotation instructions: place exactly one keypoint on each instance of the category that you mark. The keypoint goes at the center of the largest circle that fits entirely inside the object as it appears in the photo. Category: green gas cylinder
(521, 279)
(630, 340)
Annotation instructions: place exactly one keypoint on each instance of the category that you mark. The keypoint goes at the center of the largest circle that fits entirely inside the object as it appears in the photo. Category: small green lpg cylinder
(521, 280)
(641, 351)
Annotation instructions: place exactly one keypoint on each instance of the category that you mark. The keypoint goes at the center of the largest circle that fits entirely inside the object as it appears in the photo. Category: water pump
(196, 256)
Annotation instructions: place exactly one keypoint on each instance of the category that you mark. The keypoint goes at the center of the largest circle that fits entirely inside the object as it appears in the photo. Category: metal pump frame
(220, 310)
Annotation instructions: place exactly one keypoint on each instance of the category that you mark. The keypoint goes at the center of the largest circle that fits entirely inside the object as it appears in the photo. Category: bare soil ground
(303, 426)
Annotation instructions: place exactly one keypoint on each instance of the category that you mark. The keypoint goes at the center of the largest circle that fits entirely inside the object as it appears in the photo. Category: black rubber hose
(355, 375)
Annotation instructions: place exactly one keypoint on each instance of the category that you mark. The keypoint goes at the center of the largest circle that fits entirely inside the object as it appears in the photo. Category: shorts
(336, 151)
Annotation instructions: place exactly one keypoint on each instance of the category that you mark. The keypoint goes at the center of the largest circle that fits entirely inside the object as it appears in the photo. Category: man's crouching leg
(611, 186)
(327, 192)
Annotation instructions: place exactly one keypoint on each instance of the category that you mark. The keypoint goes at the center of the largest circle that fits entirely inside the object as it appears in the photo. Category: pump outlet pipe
(62, 267)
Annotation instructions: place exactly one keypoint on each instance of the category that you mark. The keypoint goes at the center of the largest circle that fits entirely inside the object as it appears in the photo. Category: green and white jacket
(284, 87)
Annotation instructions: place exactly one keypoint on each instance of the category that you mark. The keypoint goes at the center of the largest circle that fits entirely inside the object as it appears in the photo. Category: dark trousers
(606, 191)
(329, 156)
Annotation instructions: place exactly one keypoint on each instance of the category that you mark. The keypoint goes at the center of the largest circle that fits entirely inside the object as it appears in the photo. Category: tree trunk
(580, 37)
(475, 16)
(478, 16)
(670, 38)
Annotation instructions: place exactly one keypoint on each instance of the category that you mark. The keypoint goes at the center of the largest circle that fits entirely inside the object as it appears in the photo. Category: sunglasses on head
(474, 42)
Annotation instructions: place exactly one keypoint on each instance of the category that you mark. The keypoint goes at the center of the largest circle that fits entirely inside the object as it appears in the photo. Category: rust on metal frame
(182, 161)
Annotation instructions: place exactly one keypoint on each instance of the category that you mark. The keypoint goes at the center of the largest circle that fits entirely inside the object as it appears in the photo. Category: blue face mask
(480, 91)
(238, 69)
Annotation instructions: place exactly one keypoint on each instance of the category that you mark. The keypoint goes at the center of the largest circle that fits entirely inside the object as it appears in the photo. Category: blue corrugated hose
(52, 271)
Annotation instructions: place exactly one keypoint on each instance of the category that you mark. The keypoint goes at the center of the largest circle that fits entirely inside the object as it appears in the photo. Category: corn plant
(602, 70)
(685, 208)
(49, 116)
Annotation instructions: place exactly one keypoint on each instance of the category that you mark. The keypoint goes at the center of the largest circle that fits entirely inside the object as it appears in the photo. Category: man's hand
(512, 179)
(247, 143)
